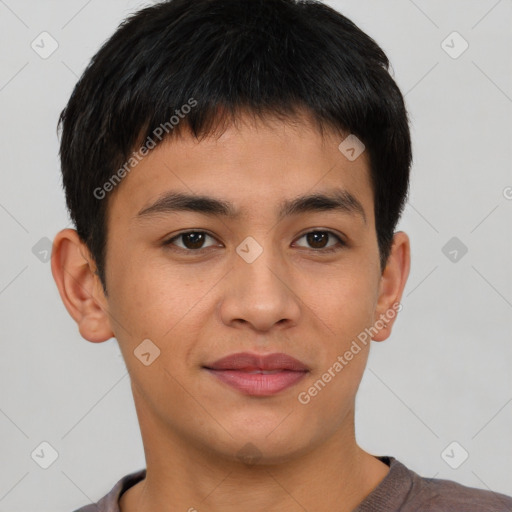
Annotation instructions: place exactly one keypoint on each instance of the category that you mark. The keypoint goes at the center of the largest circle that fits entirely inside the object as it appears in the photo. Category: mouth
(258, 375)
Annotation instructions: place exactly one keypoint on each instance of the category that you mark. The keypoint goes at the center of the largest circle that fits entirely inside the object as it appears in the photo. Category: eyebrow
(336, 200)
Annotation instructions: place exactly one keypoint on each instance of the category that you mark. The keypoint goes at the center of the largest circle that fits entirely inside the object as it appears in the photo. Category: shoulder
(110, 502)
(440, 495)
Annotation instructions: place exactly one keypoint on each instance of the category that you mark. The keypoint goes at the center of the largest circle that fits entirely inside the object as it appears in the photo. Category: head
(242, 106)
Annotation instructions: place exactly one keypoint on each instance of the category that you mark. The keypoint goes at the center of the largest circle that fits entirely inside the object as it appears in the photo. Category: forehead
(251, 166)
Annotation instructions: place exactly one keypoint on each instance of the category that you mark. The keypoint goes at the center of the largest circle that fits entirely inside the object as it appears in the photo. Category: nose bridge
(259, 292)
(258, 268)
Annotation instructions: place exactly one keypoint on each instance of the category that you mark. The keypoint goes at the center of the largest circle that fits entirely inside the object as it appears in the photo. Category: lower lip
(258, 384)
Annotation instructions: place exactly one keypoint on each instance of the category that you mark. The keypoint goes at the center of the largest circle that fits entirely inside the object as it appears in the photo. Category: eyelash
(169, 243)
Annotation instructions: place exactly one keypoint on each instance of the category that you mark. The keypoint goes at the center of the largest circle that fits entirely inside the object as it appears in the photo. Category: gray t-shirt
(401, 490)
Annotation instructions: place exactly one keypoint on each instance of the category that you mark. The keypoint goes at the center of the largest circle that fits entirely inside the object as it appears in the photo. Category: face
(255, 270)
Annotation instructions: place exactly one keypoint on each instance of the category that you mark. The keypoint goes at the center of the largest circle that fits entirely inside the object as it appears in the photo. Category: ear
(392, 284)
(80, 289)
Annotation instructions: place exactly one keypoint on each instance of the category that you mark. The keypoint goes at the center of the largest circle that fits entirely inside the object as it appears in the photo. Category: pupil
(313, 238)
(196, 240)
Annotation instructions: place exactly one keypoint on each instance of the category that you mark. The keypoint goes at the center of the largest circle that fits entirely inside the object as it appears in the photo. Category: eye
(318, 241)
(191, 240)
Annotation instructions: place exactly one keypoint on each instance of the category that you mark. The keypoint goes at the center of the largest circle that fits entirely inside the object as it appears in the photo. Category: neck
(336, 475)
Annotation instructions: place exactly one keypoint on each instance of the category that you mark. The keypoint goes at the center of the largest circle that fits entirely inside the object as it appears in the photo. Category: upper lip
(250, 362)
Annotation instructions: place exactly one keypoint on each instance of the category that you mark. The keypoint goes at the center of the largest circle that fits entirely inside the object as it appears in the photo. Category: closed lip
(245, 361)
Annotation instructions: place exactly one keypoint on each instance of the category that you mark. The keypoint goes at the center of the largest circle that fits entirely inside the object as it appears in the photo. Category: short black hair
(228, 57)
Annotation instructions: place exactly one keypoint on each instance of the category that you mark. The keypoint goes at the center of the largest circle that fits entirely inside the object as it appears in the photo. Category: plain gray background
(444, 376)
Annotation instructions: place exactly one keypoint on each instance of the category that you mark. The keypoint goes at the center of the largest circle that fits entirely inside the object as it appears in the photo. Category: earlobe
(392, 285)
(73, 270)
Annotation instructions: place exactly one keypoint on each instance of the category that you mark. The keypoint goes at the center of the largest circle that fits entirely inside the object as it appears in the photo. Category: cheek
(346, 302)
(154, 299)
(344, 298)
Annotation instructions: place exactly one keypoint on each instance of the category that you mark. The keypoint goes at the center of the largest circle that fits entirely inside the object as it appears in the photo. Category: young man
(235, 171)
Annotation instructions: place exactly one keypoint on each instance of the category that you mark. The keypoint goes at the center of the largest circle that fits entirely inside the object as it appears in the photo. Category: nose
(260, 294)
